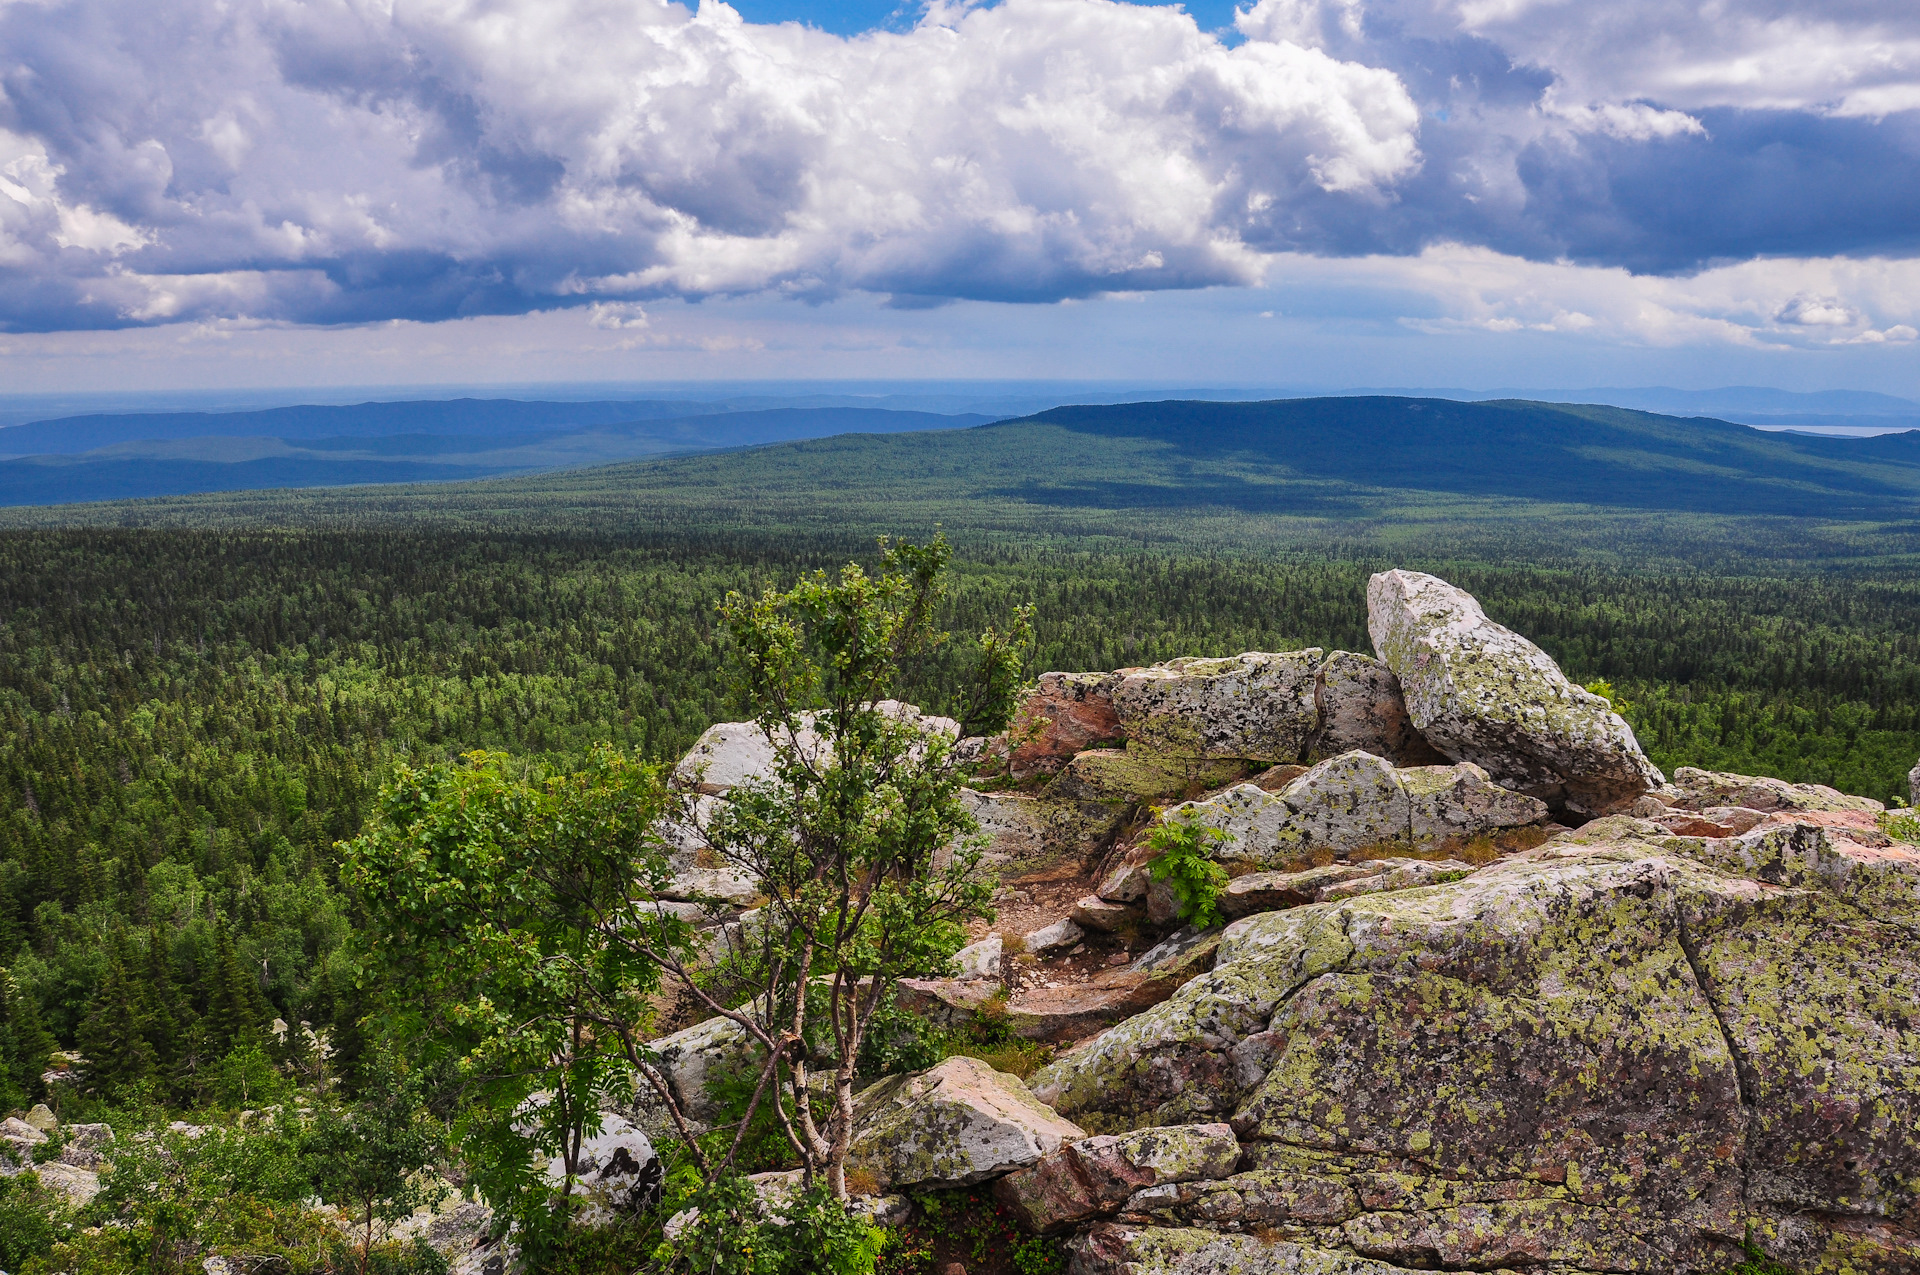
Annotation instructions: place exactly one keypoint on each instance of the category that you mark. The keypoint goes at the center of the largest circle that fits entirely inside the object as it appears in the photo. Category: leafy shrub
(1186, 864)
(814, 1236)
(970, 1226)
(26, 1220)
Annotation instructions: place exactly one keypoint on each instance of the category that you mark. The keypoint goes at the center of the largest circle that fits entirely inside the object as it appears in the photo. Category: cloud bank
(346, 161)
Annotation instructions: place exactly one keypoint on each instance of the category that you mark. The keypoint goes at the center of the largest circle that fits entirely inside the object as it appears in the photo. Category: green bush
(26, 1220)
(1186, 864)
(816, 1235)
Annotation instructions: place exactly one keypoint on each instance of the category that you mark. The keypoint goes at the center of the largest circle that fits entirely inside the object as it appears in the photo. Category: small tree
(371, 1154)
(502, 920)
(858, 836)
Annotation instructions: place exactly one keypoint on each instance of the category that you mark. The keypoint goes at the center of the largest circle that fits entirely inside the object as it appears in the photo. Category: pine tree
(236, 1011)
(168, 1016)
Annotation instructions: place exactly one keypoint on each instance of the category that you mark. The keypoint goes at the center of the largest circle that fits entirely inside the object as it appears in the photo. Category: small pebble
(1078, 949)
(1118, 958)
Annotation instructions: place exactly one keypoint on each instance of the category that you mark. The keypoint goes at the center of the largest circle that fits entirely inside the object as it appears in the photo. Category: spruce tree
(25, 1044)
(113, 1035)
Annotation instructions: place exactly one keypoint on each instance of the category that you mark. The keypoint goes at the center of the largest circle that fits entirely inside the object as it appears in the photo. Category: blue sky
(1327, 191)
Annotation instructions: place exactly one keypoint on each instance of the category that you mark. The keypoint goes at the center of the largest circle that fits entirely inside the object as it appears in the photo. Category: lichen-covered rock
(1398, 874)
(1361, 709)
(979, 960)
(1097, 1175)
(1694, 789)
(1479, 692)
(1357, 802)
(1617, 1052)
(1072, 712)
(1271, 891)
(1134, 775)
(692, 1060)
(1913, 787)
(961, 1122)
(1027, 833)
(1116, 1249)
(1258, 706)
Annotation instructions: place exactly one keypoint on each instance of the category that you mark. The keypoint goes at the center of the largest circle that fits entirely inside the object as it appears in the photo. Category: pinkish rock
(1360, 707)
(1694, 789)
(1073, 712)
(1097, 913)
(1097, 1175)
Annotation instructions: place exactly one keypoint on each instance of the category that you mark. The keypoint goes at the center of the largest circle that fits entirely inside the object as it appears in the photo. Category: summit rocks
(1480, 692)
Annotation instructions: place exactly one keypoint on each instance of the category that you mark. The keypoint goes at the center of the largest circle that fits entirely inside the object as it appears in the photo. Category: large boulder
(1026, 834)
(1133, 775)
(694, 1061)
(961, 1122)
(1099, 1174)
(1480, 692)
(701, 873)
(1361, 709)
(1357, 803)
(1258, 706)
(1067, 714)
(1622, 1051)
(616, 1171)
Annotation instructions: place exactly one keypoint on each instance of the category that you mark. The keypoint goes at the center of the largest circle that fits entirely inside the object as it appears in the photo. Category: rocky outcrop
(1097, 1175)
(1027, 834)
(1359, 803)
(1480, 692)
(1258, 706)
(1133, 774)
(1617, 1052)
(961, 1122)
(1361, 709)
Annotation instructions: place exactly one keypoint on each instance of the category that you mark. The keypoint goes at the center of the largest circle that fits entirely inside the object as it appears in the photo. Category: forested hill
(1219, 452)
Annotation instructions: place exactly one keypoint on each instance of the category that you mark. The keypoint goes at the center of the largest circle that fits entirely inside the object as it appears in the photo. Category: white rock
(698, 1055)
(699, 871)
(14, 1129)
(728, 754)
(961, 1122)
(979, 960)
(1480, 692)
(1062, 933)
(616, 1171)
(42, 1118)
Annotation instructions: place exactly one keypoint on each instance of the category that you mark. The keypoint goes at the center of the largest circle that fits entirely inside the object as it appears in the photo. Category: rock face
(960, 1123)
(1361, 709)
(1617, 1052)
(1358, 802)
(1480, 692)
(1097, 1175)
(1073, 712)
(1257, 706)
(1134, 774)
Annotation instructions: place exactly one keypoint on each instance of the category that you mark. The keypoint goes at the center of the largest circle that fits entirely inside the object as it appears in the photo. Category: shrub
(1186, 864)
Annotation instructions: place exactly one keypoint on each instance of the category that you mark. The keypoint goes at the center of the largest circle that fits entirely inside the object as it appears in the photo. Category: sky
(1339, 192)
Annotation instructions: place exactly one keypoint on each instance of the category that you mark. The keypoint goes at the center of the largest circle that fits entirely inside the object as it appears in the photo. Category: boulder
(1049, 938)
(1028, 834)
(1479, 692)
(1399, 874)
(1257, 706)
(946, 1002)
(1617, 1052)
(699, 871)
(1068, 714)
(691, 1060)
(959, 1123)
(77, 1185)
(1361, 709)
(1694, 789)
(42, 1117)
(1357, 803)
(1097, 1175)
(1271, 891)
(979, 960)
(17, 1131)
(616, 1172)
(1274, 778)
(1913, 787)
(1133, 775)
(86, 1145)
(1096, 913)
(732, 753)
